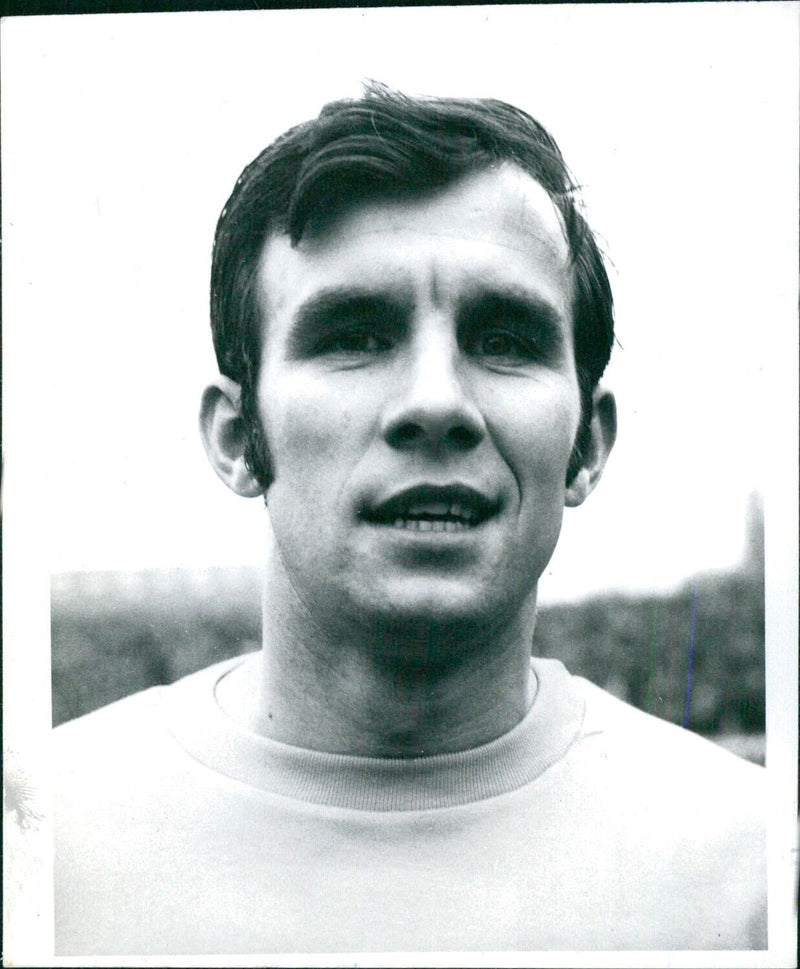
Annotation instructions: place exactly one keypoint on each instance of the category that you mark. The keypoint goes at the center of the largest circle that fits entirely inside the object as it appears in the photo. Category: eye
(501, 345)
(354, 341)
(508, 330)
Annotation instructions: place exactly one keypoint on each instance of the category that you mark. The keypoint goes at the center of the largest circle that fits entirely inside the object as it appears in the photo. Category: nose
(433, 407)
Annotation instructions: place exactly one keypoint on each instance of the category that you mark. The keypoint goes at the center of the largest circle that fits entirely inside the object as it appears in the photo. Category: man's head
(411, 318)
(386, 145)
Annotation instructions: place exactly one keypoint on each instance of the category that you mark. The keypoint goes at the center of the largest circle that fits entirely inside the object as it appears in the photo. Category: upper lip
(454, 501)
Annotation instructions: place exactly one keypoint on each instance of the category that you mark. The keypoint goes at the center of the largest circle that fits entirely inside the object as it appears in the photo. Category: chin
(426, 610)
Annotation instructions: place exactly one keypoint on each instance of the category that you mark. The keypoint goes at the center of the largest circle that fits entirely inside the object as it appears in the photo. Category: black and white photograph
(400, 486)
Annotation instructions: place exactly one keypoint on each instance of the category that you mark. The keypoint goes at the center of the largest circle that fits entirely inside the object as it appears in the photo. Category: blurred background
(122, 138)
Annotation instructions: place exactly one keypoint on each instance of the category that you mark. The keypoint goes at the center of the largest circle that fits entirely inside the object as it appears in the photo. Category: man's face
(420, 401)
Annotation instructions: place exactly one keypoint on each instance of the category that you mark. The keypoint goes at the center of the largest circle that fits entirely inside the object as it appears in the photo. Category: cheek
(538, 455)
(536, 431)
(309, 430)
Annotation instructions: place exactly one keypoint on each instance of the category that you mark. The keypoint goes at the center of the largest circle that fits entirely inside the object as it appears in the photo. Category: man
(411, 319)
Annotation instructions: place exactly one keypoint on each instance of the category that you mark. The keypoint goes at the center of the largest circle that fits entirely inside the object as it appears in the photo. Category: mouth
(433, 508)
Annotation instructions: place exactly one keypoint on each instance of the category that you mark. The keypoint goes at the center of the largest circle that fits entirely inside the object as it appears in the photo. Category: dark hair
(381, 144)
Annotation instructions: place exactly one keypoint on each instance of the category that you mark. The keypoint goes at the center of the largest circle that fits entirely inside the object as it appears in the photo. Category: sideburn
(583, 437)
(256, 451)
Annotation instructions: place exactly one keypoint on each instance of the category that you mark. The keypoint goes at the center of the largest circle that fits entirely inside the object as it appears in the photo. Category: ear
(223, 433)
(602, 434)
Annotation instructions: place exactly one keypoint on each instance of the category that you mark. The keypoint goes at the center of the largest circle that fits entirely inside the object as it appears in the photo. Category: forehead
(490, 229)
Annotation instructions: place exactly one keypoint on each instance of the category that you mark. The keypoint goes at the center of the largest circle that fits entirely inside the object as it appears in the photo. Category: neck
(395, 691)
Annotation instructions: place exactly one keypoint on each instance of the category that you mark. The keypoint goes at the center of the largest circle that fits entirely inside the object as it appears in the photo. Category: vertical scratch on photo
(691, 657)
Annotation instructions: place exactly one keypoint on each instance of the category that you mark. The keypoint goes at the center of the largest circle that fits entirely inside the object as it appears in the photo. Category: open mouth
(433, 508)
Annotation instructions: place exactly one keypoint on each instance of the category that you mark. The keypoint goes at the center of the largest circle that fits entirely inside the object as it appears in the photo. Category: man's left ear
(602, 434)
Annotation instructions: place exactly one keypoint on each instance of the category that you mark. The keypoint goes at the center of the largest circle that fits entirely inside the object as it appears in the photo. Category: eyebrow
(331, 306)
(522, 304)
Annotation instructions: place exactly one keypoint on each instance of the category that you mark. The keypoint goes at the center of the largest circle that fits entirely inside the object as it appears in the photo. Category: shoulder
(684, 800)
(671, 772)
(113, 724)
(108, 722)
(673, 826)
(124, 751)
(128, 805)
(662, 753)
(120, 737)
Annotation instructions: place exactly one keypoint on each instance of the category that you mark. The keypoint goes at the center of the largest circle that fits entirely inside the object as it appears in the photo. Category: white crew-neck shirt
(589, 825)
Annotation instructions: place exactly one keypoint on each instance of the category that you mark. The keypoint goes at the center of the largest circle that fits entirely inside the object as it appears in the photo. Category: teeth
(436, 515)
(438, 512)
(436, 509)
(429, 525)
(457, 510)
